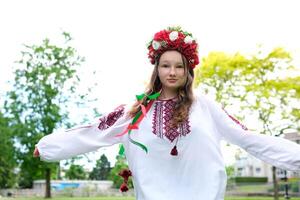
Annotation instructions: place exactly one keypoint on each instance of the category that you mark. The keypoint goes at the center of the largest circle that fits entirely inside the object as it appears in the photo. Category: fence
(76, 188)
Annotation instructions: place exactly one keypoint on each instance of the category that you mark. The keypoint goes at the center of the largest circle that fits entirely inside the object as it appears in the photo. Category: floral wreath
(174, 38)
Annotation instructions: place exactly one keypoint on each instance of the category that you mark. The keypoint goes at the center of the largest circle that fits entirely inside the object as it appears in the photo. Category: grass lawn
(131, 198)
(257, 198)
(253, 188)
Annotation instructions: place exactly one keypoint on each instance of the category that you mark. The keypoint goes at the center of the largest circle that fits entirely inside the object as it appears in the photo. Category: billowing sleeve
(65, 144)
(276, 151)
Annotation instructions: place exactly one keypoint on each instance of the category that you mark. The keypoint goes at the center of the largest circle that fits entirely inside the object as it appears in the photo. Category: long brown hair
(185, 94)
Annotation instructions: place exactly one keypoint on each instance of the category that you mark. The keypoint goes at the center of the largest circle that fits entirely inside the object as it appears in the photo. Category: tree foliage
(45, 79)
(262, 85)
(101, 170)
(76, 172)
(7, 155)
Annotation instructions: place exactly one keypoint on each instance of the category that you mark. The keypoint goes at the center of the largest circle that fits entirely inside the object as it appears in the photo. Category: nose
(172, 71)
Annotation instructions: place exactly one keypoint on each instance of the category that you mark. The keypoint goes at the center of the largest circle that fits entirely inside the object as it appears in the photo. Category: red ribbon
(129, 127)
(144, 110)
(135, 125)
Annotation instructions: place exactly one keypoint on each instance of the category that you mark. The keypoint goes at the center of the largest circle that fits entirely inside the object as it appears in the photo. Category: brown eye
(179, 66)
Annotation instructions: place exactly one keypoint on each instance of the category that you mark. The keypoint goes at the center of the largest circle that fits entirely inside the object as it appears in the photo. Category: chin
(172, 87)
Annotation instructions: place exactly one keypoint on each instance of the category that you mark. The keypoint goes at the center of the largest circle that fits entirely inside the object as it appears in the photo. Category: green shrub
(239, 180)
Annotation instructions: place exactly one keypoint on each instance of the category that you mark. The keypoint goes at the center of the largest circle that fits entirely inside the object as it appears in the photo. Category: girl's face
(171, 70)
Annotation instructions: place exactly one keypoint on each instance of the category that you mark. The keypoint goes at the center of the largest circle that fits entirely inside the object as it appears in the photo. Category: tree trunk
(59, 171)
(48, 184)
(275, 183)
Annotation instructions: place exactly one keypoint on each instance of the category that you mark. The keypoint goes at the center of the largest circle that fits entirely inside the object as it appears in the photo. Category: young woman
(171, 136)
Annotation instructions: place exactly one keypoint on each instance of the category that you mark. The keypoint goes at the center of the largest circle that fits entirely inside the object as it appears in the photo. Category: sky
(112, 36)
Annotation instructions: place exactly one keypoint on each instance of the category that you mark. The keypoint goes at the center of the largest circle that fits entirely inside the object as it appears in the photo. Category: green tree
(101, 170)
(114, 173)
(76, 172)
(258, 85)
(7, 156)
(45, 80)
(230, 171)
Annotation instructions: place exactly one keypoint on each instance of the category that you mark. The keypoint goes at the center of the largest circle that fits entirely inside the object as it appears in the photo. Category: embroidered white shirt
(197, 172)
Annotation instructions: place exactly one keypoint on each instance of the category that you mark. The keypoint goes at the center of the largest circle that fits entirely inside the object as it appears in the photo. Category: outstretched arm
(62, 145)
(277, 151)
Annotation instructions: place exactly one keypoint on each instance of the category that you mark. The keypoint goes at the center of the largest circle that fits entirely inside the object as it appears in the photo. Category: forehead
(171, 57)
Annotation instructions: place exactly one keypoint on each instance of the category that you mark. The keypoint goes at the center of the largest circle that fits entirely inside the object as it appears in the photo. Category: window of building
(257, 170)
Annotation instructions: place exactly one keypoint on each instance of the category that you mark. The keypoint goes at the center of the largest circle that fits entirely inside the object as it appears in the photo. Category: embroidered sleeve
(276, 151)
(66, 144)
(111, 118)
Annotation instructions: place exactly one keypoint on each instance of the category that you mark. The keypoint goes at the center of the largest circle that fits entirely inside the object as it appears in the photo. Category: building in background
(248, 165)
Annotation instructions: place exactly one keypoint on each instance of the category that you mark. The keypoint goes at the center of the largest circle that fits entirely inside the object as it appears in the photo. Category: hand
(36, 152)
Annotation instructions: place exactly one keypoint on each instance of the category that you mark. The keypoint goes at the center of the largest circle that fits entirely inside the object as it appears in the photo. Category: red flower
(125, 173)
(189, 50)
(124, 187)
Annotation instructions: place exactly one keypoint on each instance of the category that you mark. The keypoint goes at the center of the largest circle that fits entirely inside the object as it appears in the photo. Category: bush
(239, 180)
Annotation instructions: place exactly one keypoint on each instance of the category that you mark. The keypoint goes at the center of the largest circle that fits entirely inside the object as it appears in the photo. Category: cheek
(161, 73)
(183, 77)
(181, 73)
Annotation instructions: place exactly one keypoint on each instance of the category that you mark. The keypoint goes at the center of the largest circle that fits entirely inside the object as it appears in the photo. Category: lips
(172, 80)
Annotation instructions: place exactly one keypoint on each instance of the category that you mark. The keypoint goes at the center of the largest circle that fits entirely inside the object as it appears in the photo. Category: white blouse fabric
(197, 172)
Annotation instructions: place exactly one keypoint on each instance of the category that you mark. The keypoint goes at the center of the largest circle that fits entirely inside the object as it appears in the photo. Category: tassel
(174, 151)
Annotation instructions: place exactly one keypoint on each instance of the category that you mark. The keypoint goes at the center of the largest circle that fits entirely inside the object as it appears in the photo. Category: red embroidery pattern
(161, 127)
(236, 121)
(108, 120)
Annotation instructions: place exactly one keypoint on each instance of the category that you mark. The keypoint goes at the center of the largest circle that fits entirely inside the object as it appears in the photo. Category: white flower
(155, 45)
(188, 39)
(173, 35)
